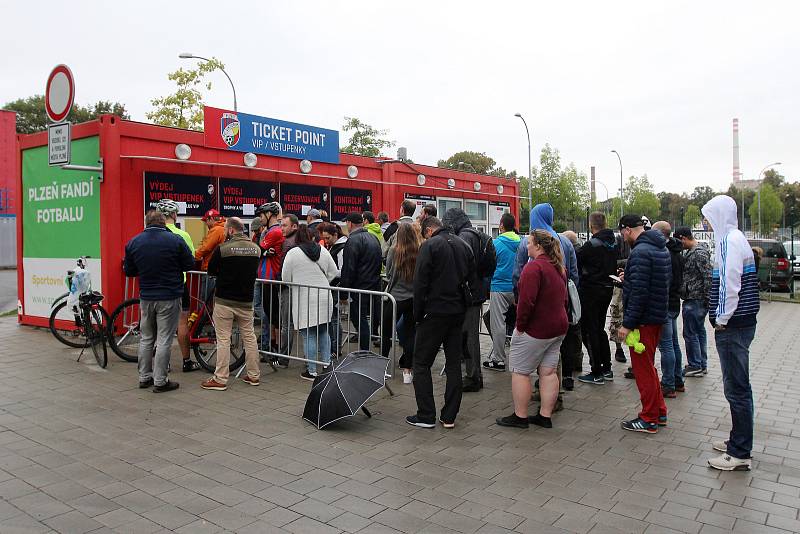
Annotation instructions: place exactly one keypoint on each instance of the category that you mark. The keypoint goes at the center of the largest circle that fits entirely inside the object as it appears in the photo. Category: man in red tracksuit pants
(645, 299)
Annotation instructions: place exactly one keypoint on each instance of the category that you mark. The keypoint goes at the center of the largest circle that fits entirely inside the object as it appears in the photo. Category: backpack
(486, 262)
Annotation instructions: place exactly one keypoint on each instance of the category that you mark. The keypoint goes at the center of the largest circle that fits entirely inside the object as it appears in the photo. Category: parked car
(775, 270)
(794, 255)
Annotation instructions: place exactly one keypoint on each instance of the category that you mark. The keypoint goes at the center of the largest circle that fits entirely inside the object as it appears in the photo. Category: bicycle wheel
(123, 330)
(206, 352)
(73, 337)
(96, 332)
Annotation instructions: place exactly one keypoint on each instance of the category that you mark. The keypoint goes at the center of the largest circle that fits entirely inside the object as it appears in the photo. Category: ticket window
(495, 213)
(447, 203)
(477, 211)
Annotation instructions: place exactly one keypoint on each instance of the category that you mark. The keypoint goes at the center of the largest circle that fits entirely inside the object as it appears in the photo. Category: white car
(793, 250)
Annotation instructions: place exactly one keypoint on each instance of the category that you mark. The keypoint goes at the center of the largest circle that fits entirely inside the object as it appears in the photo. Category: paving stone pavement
(84, 450)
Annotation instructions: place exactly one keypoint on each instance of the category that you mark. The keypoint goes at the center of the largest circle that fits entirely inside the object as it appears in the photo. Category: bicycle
(75, 336)
(94, 330)
(124, 338)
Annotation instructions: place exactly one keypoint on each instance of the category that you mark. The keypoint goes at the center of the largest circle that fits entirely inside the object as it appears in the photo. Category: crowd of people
(548, 295)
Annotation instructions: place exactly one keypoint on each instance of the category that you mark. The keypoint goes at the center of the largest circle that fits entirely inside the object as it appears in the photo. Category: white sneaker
(727, 462)
(721, 445)
(407, 377)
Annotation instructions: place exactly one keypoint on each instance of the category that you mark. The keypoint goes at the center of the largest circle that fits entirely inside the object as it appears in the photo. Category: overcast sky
(658, 81)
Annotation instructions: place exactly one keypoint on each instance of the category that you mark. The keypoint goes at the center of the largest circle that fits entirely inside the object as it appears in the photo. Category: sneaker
(662, 420)
(494, 365)
(305, 375)
(408, 377)
(692, 371)
(540, 420)
(721, 445)
(211, 383)
(168, 386)
(705, 371)
(569, 383)
(283, 363)
(668, 393)
(413, 420)
(146, 384)
(609, 375)
(447, 425)
(189, 366)
(251, 381)
(620, 355)
(591, 379)
(640, 425)
(726, 462)
(470, 386)
(513, 421)
(629, 374)
(680, 388)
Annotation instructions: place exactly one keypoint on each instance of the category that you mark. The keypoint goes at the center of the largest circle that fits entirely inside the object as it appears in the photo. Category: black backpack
(486, 262)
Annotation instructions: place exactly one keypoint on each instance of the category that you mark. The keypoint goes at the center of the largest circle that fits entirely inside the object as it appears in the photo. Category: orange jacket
(214, 238)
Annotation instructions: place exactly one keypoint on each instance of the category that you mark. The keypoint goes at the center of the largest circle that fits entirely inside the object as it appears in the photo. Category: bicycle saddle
(91, 298)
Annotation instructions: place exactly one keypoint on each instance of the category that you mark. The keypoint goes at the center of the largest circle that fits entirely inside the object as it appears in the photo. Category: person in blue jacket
(159, 258)
(501, 295)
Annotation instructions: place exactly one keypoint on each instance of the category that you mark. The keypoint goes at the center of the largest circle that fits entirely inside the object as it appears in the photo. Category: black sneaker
(470, 386)
(494, 365)
(168, 386)
(662, 420)
(146, 384)
(283, 363)
(413, 420)
(513, 421)
(640, 425)
(540, 420)
(620, 355)
(569, 383)
(609, 376)
(591, 379)
(629, 374)
(705, 371)
(692, 371)
(190, 365)
(305, 375)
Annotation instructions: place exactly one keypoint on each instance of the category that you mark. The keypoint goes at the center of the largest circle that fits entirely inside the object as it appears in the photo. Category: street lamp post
(530, 166)
(463, 163)
(760, 182)
(188, 55)
(606, 188)
(621, 200)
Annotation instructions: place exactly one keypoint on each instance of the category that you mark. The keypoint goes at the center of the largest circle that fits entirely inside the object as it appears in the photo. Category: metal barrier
(343, 319)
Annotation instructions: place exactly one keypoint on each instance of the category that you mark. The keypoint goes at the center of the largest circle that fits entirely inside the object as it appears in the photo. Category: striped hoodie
(733, 300)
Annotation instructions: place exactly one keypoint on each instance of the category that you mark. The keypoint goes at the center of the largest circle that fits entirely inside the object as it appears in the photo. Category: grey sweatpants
(157, 325)
(499, 303)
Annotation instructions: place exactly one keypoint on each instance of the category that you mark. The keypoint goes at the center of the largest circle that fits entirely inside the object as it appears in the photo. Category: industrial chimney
(591, 186)
(737, 176)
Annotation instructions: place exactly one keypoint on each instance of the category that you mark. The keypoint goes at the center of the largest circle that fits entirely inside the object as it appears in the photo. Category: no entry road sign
(60, 93)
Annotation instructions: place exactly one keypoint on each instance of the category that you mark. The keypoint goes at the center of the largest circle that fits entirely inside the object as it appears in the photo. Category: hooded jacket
(675, 249)
(375, 229)
(458, 222)
(362, 262)
(308, 264)
(696, 283)
(542, 219)
(645, 292)
(214, 238)
(505, 249)
(597, 259)
(733, 300)
(437, 285)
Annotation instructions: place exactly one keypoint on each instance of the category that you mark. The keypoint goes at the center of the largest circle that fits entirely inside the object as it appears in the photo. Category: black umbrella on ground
(343, 391)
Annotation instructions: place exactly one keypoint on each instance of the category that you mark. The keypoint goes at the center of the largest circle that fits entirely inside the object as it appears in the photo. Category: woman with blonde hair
(401, 260)
(541, 326)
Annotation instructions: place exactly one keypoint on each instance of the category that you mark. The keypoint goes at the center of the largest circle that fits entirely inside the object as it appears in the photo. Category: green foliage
(32, 117)
(692, 216)
(470, 161)
(184, 107)
(774, 178)
(640, 198)
(565, 188)
(771, 210)
(364, 139)
(702, 194)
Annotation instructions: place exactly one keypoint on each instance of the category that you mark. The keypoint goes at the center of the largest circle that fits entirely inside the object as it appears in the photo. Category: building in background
(8, 190)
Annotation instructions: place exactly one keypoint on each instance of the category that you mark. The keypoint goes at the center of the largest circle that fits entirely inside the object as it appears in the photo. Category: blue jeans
(733, 347)
(316, 345)
(694, 333)
(258, 309)
(671, 356)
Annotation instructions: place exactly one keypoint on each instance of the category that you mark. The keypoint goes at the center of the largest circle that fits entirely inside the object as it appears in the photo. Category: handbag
(573, 303)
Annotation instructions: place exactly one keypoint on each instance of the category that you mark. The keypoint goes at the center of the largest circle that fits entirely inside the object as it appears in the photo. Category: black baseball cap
(630, 221)
(354, 217)
(683, 231)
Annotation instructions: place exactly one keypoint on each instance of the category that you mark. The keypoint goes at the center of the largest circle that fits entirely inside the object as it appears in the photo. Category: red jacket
(214, 238)
(542, 305)
(271, 253)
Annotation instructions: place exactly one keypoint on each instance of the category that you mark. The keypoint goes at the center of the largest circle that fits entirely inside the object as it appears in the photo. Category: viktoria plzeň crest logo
(229, 128)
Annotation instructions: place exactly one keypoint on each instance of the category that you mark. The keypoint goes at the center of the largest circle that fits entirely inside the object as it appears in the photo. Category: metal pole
(530, 166)
(192, 56)
(621, 191)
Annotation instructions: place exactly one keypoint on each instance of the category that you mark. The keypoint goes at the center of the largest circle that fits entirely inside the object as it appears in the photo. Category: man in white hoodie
(733, 306)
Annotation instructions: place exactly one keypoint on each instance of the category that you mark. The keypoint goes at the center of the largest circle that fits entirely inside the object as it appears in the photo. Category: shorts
(271, 302)
(185, 300)
(528, 353)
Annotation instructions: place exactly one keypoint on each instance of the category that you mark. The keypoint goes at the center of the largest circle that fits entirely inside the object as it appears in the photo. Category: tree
(692, 217)
(365, 140)
(774, 178)
(184, 107)
(702, 194)
(671, 204)
(566, 189)
(640, 198)
(468, 160)
(32, 117)
(771, 210)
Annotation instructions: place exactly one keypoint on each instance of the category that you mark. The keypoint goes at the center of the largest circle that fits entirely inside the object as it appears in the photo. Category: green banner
(61, 208)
